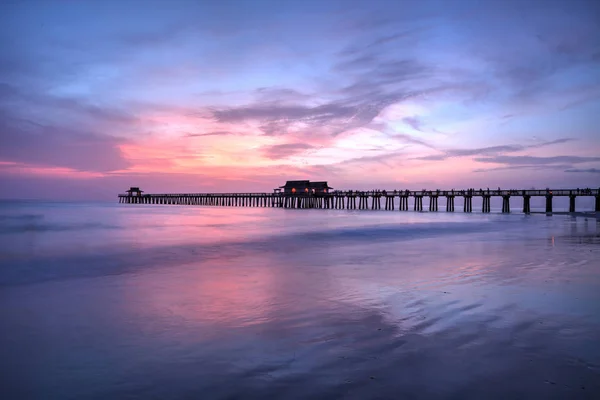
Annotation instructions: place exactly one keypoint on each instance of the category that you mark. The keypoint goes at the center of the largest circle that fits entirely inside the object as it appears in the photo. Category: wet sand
(303, 305)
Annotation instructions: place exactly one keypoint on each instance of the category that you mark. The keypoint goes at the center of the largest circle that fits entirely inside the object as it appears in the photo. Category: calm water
(169, 302)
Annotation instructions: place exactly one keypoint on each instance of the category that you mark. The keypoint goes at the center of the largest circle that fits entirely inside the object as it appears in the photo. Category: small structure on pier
(135, 190)
(320, 187)
(305, 186)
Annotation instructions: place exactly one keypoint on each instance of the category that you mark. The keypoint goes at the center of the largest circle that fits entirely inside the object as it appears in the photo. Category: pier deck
(365, 200)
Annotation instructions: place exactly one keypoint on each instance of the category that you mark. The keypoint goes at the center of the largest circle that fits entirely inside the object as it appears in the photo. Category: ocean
(116, 301)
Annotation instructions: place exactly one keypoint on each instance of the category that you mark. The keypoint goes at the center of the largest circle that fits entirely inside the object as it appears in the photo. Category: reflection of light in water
(552, 241)
(211, 293)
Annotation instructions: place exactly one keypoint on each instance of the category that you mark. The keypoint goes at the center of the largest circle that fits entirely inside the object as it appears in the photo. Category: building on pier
(320, 187)
(305, 186)
(135, 190)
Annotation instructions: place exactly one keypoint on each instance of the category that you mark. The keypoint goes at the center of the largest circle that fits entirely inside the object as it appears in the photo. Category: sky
(240, 95)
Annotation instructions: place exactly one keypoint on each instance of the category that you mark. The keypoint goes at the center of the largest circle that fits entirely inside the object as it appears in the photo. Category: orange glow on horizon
(36, 170)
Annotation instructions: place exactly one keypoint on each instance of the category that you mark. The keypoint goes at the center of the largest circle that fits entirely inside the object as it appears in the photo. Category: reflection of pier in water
(362, 200)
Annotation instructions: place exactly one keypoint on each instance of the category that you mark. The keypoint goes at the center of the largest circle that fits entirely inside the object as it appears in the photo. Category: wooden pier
(365, 200)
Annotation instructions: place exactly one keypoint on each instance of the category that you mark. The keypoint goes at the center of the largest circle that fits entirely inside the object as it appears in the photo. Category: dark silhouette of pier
(364, 200)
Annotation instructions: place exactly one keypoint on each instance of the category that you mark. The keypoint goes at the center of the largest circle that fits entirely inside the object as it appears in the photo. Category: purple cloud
(532, 160)
(523, 167)
(281, 151)
(491, 150)
(585, 171)
(411, 140)
(27, 142)
(413, 122)
(14, 101)
(213, 133)
(291, 113)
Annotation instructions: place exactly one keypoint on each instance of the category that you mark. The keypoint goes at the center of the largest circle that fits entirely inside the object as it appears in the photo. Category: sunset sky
(241, 95)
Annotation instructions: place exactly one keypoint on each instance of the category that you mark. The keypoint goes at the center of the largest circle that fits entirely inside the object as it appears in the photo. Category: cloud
(550, 143)
(589, 170)
(14, 100)
(21, 169)
(273, 128)
(411, 140)
(153, 37)
(353, 109)
(44, 130)
(521, 167)
(280, 151)
(358, 62)
(413, 122)
(432, 157)
(472, 152)
(374, 84)
(279, 95)
(391, 77)
(60, 147)
(364, 164)
(375, 44)
(532, 160)
(328, 119)
(491, 150)
(214, 133)
(484, 150)
(291, 113)
(400, 137)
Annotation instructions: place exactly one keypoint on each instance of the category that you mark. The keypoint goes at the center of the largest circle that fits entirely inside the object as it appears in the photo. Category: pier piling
(487, 201)
(376, 205)
(572, 203)
(506, 203)
(418, 203)
(548, 203)
(450, 203)
(389, 202)
(468, 204)
(403, 203)
(433, 203)
(526, 204)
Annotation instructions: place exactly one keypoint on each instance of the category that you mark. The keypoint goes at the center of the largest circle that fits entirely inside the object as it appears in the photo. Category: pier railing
(367, 200)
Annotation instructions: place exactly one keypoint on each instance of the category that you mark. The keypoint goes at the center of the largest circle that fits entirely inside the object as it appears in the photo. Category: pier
(318, 195)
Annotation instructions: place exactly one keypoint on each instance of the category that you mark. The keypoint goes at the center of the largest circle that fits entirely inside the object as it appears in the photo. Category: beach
(172, 302)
